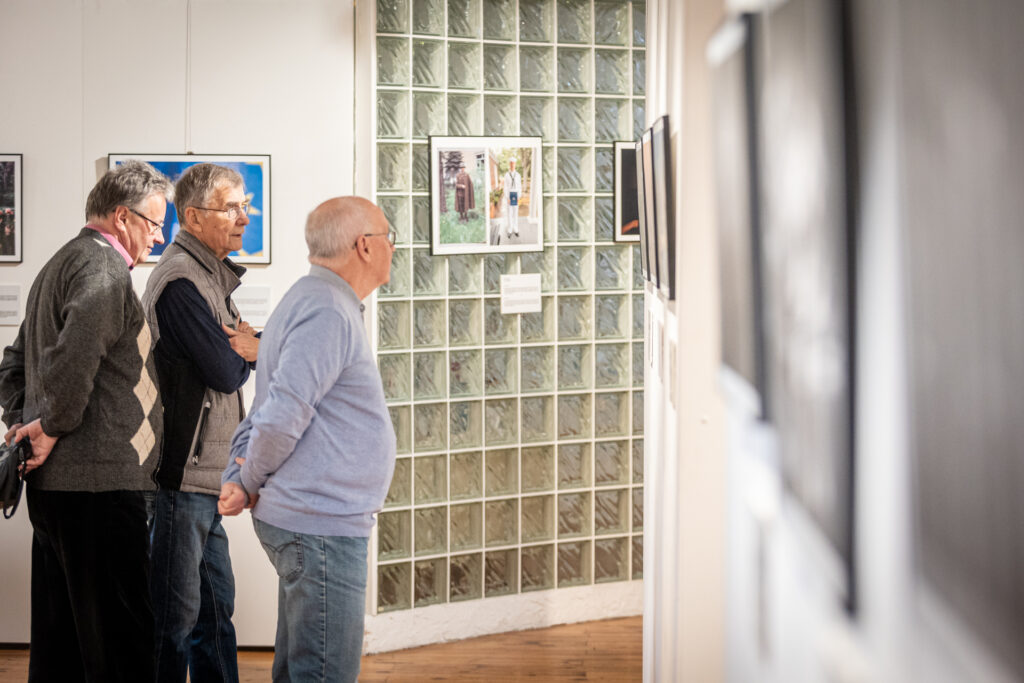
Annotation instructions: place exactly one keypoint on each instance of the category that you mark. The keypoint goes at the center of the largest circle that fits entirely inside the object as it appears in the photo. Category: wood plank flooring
(608, 650)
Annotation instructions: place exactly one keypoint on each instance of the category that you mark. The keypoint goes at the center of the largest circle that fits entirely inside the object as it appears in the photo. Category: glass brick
(465, 115)
(421, 220)
(573, 514)
(420, 168)
(431, 477)
(392, 114)
(501, 422)
(611, 414)
(537, 518)
(537, 368)
(392, 167)
(428, 63)
(573, 70)
(574, 219)
(464, 274)
(539, 327)
(612, 364)
(393, 324)
(429, 375)
(427, 273)
(574, 316)
(611, 72)
(638, 557)
(392, 16)
(398, 283)
(499, 20)
(466, 526)
(611, 23)
(431, 581)
(394, 584)
(537, 117)
(464, 18)
(573, 465)
(401, 420)
(500, 371)
(431, 530)
(500, 67)
(574, 416)
(611, 462)
(573, 21)
(431, 427)
(638, 412)
(501, 572)
(538, 418)
(502, 472)
(612, 320)
(428, 323)
(638, 316)
(639, 23)
(428, 17)
(639, 73)
(638, 364)
(464, 66)
(536, 69)
(639, 119)
(604, 169)
(466, 424)
(502, 522)
(549, 212)
(396, 209)
(604, 219)
(549, 162)
(611, 511)
(538, 468)
(638, 276)
(400, 491)
(465, 372)
(500, 115)
(575, 169)
(536, 19)
(612, 120)
(538, 568)
(466, 475)
(498, 328)
(638, 508)
(574, 367)
(427, 114)
(465, 574)
(394, 375)
(542, 262)
(464, 320)
(496, 265)
(574, 119)
(394, 535)
(573, 564)
(392, 61)
(638, 461)
(611, 559)
(573, 269)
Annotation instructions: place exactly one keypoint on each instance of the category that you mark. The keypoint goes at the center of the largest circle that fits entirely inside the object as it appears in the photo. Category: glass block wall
(520, 461)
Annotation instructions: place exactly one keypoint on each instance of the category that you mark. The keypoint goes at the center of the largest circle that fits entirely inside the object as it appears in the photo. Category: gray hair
(333, 227)
(129, 184)
(197, 184)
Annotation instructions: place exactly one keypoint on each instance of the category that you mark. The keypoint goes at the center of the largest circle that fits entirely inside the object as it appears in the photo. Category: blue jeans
(321, 593)
(193, 590)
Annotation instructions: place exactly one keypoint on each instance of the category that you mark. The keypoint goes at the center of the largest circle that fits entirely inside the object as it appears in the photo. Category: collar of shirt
(117, 245)
(333, 278)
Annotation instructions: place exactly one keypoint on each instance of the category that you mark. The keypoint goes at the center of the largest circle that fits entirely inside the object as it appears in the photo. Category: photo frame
(645, 268)
(473, 206)
(664, 207)
(10, 208)
(255, 172)
(627, 218)
(650, 219)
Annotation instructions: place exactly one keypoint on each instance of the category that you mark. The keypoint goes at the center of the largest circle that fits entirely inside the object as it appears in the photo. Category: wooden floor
(593, 651)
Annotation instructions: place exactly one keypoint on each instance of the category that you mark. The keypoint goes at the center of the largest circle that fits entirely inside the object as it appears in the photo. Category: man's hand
(245, 328)
(42, 443)
(10, 433)
(232, 499)
(243, 343)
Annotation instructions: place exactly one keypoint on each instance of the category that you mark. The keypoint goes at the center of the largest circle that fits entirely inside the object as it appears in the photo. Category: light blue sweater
(318, 444)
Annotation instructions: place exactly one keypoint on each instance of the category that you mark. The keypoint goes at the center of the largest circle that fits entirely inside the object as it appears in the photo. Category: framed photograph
(650, 219)
(627, 218)
(486, 195)
(10, 208)
(664, 208)
(638, 155)
(255, 172)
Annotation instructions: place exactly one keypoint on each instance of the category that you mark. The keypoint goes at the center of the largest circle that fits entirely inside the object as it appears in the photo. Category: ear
(363, 248)
(192, 220)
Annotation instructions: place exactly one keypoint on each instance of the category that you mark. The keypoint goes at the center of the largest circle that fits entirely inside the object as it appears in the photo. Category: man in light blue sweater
(315, 456)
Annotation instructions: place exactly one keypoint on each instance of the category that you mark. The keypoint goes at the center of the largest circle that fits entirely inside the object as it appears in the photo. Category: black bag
(12, 469)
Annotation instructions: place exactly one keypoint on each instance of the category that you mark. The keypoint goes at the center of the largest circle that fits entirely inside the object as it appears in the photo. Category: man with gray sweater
(203, 353)
(79, 381)
(315, 456)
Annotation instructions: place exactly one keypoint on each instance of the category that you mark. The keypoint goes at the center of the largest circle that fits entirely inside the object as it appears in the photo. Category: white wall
(84, 79)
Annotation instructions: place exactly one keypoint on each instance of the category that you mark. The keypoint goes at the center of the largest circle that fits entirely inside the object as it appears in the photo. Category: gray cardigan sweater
(82, 363)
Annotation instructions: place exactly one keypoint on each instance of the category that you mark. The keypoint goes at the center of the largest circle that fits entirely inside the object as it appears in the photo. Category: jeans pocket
(284, 548)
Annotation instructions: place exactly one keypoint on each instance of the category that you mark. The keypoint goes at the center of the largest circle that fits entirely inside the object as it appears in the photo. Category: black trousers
(92, 619)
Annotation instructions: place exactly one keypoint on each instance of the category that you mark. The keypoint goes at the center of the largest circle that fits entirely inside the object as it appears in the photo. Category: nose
(243, 219)
(158, 236)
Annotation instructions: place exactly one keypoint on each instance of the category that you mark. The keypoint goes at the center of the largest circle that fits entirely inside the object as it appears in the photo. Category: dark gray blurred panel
(963, 126)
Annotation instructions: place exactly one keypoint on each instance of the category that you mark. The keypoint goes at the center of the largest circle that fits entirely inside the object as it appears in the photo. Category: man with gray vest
(204, 353)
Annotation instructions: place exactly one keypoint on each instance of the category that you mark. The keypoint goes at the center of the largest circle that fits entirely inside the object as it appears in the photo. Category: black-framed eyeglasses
(156, 226)
(233, 211)
(392, 235)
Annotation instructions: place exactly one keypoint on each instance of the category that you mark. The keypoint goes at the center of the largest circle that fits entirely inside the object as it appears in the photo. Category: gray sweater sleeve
(12, 379)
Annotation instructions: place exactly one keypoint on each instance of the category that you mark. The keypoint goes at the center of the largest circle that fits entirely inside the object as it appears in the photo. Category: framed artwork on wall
(650, 219)
(255, 172)
(10, 208)
(664, 207)
(486, 195)
(627, 219)
(645, 268)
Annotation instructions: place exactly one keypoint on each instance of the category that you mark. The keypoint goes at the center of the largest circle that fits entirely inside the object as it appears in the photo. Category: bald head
(333, 227)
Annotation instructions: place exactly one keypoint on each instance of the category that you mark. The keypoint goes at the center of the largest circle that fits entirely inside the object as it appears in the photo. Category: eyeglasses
(392, 235)
(156, 226)
(233, 211)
